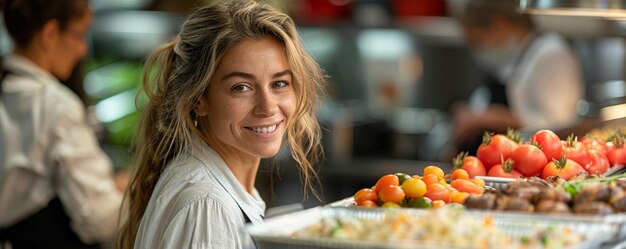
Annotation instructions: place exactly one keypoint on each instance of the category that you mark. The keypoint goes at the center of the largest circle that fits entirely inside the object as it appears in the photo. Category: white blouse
(546, 85)
(48, 150)
(198, 203)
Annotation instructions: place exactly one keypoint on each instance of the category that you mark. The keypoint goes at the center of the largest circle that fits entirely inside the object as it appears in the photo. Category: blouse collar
(251, 205)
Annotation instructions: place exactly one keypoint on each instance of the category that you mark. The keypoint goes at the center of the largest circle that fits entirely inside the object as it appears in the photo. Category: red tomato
(549, 143)
(494, 149)
(365, 194)
(528, 160)
(599, 162)
(471, 164)
(565, 168)
(437, 191)
(609, 147)
(385, 181)
(576, 151)
(594, 144)
(391, 193)
(467, 186)
(617, 156)
(505, 170)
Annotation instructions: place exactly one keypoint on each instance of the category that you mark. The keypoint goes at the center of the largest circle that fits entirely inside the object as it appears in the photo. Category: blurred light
(321, 43)
(340, 2)
(116, 107)
(384, 44)
(602, 9)
(613, 112)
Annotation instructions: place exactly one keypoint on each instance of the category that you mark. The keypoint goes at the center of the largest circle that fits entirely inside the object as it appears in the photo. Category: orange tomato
(434, 170)
(430, 179)
(368, 203)
(437, 191)
(459, 174)
(387, 180)
(364, 195)
(391, 193)
(467, 186)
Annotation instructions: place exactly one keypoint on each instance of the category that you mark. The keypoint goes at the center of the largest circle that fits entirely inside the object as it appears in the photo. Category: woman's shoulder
(185, 180)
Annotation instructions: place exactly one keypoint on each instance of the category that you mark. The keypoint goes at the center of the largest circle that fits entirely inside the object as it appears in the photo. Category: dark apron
(497, 90)
(48, 228)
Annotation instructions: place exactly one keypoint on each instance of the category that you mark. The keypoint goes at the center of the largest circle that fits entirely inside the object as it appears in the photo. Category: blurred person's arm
(84, 176)
(469, 123)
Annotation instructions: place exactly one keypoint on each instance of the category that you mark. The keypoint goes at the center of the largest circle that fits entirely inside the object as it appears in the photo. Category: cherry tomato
(471, 164)
(391, 205)
(617, 154)
(414, 188)
(391, 193)
(478, 181)
(437, 191)
(387, 180)
(402, 177)
(467, 186)
(599, 162)
(565, 168)
(368, 203)
(459, 174)
(494, 149)
(528, 160)
(438, 203)
(365, 195)
(549, 143)
(505, 170)
(430, 179)
(434, 170)
(420, 202)
(459, 197)
(576, 151)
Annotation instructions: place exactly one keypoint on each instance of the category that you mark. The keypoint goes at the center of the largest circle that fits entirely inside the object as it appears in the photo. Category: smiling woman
(228, 91)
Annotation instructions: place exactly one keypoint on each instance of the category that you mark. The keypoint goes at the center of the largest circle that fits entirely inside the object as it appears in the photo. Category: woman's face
(250, 99)
(70, 46)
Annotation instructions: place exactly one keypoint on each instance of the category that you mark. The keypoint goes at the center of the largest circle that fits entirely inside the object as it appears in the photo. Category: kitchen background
(396, 68)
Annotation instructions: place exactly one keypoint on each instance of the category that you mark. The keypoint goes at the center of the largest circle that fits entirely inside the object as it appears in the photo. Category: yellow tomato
(391, 205)
(438, 203)
(414, 188)
(434, 170)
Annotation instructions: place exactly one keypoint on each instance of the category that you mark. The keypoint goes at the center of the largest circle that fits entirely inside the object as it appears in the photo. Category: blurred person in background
(57, 188)
(534, 79)
(227, 91)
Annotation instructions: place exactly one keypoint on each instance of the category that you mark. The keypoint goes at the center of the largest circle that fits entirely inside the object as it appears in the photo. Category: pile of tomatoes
(429, 190)
(544, 155)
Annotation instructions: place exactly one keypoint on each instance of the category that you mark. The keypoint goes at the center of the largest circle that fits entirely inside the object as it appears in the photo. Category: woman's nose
(265, 103)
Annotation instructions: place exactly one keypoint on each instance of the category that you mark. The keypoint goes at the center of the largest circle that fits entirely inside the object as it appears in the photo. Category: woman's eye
(241, 88)
(280, 84)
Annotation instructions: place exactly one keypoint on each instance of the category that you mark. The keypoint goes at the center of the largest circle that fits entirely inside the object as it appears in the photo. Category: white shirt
(546, 85)
(198, 203)
(48, 150)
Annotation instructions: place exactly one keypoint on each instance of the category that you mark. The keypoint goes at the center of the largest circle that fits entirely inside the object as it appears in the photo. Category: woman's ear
(49, 35)
(201, 107)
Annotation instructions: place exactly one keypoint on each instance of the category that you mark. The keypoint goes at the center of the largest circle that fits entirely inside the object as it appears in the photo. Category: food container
(496, 182)
(276, 232)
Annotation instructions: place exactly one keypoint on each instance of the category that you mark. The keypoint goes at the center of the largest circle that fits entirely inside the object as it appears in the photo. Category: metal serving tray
(276, 232)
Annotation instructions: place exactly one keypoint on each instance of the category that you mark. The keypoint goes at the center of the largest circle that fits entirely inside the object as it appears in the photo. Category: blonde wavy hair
(177, 75)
